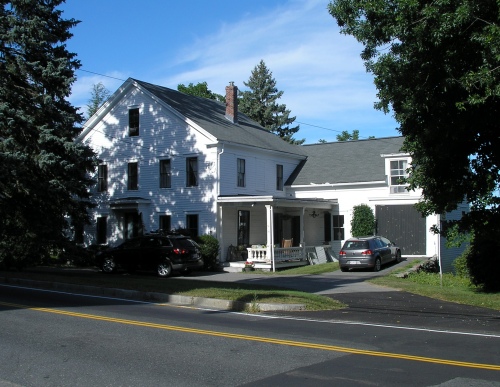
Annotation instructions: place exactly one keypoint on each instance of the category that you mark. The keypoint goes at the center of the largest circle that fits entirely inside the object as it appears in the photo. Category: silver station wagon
(368, 252)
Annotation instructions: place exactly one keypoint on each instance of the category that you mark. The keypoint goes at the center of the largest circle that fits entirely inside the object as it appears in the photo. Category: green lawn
(301, 270)
(450, 288)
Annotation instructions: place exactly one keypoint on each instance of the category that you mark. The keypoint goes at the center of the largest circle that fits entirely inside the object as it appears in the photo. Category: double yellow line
(266, 340)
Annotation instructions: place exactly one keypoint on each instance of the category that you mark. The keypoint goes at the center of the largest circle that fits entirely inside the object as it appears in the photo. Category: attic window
(133, 122)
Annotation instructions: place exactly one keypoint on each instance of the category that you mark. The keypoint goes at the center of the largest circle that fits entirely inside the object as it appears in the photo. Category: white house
(170, 160)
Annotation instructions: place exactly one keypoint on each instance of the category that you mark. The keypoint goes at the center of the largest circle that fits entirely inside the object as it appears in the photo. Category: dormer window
(133, 122)
(398, 173)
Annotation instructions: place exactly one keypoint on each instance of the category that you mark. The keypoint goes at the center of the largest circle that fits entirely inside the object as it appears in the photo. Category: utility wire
(301, 123)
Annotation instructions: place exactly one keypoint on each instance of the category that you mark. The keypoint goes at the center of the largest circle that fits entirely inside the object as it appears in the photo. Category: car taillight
(367, 252)
(181, 251)
(342, 253)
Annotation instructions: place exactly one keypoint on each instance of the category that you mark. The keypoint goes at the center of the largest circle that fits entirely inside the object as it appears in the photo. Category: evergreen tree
(260, 103)
(363, 220)
(44, 171)
(98, 95)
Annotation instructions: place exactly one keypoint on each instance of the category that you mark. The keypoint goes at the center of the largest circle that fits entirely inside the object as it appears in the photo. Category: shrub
(363, 221)
(209, 247)
(429, 266)
(460, 264)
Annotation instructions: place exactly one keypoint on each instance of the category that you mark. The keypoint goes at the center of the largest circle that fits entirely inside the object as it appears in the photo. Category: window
(192, 171)
(398, 172)
(102, 178)
(243, 228)
(165, 223)
(192, 225)
(241, 172)
(132, 176)
(165, 174)
(133, 122)
(279, 177)
(101, 230)
(338, 227)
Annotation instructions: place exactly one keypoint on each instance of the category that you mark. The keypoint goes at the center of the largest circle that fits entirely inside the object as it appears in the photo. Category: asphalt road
(371, 303)
(58, 339)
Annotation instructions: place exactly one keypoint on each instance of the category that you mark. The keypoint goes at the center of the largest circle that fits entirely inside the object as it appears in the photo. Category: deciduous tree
(44, 171)
(346, 136)
(436, 66)
(260, 103)
(200, 90)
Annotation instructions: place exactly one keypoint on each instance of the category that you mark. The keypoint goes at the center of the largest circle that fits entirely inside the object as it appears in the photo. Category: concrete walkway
(329, 283)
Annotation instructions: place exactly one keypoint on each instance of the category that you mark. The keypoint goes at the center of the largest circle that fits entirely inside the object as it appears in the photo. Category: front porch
(275, 233)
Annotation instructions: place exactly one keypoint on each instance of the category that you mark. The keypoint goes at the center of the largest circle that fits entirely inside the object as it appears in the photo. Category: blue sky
(167, 42)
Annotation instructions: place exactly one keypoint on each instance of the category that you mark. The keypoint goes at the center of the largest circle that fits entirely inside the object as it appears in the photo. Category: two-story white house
(168, 160)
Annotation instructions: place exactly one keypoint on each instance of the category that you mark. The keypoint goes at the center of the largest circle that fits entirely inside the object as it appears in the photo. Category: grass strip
(450, 288)
(180, 286)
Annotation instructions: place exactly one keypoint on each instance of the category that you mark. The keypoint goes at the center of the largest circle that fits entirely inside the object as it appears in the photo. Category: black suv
(162, 253)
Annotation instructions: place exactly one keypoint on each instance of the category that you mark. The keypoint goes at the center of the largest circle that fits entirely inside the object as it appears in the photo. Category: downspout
(439, 251)
(218, 170)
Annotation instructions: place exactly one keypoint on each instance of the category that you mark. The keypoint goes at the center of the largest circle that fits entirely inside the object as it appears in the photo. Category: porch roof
(128, 203)
(277, 201)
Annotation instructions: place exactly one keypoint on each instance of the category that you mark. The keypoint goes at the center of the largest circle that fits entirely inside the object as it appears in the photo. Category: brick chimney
(232, 103)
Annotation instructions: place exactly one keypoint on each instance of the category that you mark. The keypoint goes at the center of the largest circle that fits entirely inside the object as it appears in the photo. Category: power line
(102, 75)
(301, 123)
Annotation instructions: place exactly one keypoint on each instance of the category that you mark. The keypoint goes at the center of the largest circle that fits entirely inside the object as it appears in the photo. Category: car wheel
(344, 269)
(109, 265)
(398, 256)
(164, 269)
(378, 265)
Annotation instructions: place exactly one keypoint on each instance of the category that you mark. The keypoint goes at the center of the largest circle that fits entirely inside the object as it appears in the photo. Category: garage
(404, 225)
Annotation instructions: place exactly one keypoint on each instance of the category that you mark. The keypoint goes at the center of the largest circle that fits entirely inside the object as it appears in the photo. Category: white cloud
(317, 68)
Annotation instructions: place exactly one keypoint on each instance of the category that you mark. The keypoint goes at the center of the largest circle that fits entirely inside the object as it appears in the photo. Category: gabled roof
(210, 115)
(345, 162)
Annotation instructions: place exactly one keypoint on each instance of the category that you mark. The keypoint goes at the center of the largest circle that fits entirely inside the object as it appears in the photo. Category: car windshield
(356, 245)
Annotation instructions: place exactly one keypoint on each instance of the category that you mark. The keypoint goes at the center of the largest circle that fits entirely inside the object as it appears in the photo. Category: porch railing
(281, 254)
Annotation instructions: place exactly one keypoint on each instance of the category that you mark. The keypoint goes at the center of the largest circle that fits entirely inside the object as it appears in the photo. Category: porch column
(331, 226)
(270, 234)
(219, 232)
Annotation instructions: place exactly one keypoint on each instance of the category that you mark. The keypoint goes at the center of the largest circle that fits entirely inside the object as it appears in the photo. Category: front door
(132, 225)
